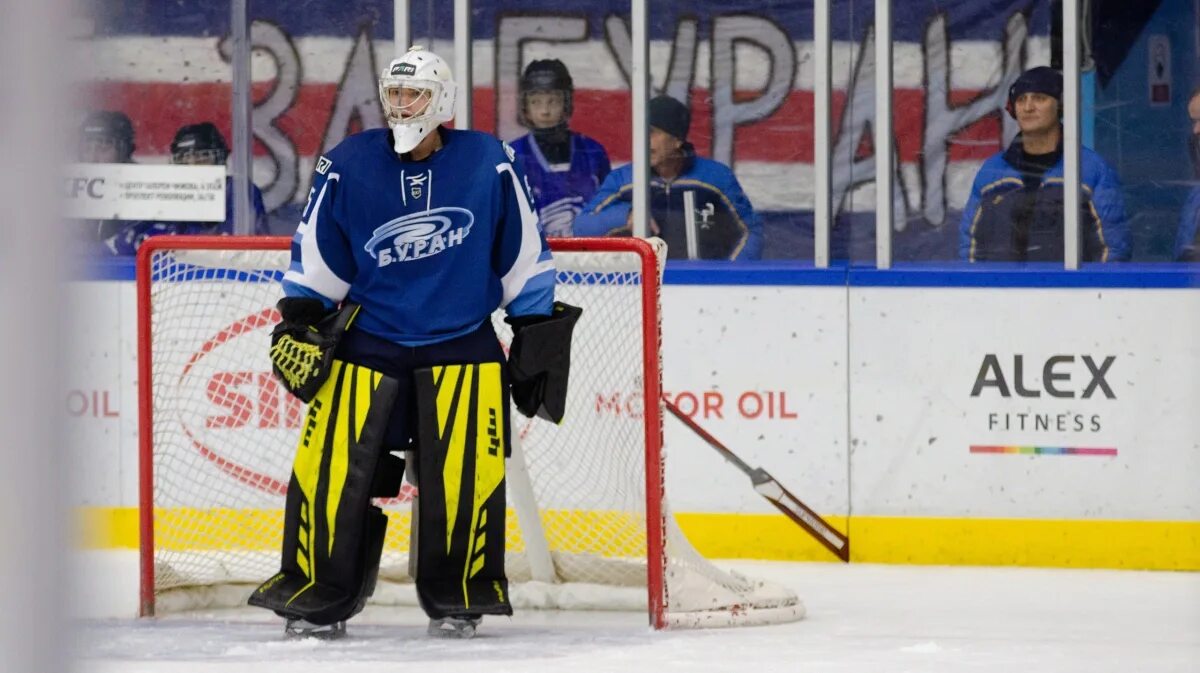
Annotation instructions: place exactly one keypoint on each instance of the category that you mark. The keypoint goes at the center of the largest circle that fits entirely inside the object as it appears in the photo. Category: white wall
(892, 369)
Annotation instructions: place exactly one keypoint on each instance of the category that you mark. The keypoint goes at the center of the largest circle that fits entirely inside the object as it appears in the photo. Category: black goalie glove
(303, 342)
(540, 359)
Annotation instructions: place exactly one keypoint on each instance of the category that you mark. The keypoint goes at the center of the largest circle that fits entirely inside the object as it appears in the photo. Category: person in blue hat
(723, 224)
(1015, 212)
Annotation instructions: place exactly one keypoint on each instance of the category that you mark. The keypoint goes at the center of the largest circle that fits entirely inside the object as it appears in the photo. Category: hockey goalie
(412, 236)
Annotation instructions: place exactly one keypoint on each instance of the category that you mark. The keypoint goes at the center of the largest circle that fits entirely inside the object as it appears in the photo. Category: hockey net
(588, 524)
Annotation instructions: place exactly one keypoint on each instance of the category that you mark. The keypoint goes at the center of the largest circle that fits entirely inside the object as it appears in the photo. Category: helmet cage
(431, 97)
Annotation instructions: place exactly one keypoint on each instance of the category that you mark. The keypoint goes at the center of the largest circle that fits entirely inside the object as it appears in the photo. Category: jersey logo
(419, 235)
(323, 165)
(512, 154)
(415, 183)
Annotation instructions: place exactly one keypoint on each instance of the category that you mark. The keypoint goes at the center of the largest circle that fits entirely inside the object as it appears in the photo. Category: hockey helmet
(428, 103)
(199, 144)
(548, 74)
(105, 130)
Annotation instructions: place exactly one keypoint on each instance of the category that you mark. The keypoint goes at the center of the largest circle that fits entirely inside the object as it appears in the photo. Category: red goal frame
(652, 390)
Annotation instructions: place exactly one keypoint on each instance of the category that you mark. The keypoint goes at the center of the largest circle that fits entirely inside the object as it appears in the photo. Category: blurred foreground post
(33, 128)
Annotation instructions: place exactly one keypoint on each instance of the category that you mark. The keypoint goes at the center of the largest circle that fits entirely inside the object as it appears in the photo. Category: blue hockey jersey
(560, 190)
(428, 248)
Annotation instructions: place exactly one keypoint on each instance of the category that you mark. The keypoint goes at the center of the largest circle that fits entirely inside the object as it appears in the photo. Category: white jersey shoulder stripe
(314, 272)
(526, 265)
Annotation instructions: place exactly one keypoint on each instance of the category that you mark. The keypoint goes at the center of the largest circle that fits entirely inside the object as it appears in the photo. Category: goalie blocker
(540, 360)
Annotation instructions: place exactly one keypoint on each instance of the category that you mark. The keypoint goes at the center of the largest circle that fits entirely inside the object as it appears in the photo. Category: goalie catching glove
(303, 342)
(540, 359)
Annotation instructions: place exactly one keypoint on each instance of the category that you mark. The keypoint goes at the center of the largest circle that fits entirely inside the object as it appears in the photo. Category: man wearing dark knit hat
(722, 224)
(1015, 212)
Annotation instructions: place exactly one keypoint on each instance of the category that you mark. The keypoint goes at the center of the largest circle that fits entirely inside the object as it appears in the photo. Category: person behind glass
(724, 224)
(1187, 241)
(194, 145)
(1015, 211)
(203, 145)
(564, 168)
(106, 137)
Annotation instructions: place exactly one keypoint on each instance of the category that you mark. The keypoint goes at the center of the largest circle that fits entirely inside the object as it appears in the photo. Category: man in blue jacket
(1187, 241)
(723, 224)
(1015, 212)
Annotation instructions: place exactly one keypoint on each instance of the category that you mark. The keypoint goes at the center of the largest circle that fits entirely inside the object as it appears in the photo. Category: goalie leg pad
(462, 436)
(333, 536)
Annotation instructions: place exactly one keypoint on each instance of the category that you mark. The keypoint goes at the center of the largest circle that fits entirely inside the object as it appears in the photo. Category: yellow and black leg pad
(462, 438)
(332, 534)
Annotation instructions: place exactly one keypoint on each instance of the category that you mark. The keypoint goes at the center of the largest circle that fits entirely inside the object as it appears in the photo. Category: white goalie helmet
(428, 76)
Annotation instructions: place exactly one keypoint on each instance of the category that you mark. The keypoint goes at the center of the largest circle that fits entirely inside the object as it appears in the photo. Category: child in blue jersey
(723, 223)
(106, 137)
(428, 230)
(564, 168)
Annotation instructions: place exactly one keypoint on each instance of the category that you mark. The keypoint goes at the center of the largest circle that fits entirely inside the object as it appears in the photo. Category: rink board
(897, 407)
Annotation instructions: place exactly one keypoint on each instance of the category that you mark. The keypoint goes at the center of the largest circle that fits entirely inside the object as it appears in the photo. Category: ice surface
(861, 618)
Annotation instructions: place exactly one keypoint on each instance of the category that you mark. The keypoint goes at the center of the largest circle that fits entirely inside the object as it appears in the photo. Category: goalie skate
(454, 627)
(299, 628)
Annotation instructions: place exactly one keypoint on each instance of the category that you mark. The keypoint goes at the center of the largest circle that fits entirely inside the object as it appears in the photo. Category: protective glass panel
(562, 98)
(1140, 115)
(152, 132)
(973, 181)
(741, 189)
(315, 81)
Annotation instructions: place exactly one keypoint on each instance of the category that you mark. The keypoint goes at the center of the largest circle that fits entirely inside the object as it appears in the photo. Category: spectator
(203, 145)
(1015, 212)
(1187, 241)
(564, 168)
(726, 226)
(106, 137)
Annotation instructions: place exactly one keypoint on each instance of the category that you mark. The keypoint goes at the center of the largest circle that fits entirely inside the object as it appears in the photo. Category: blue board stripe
(1099, 276)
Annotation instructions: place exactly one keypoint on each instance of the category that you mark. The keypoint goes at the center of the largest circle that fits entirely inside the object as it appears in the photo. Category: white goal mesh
(218, 435)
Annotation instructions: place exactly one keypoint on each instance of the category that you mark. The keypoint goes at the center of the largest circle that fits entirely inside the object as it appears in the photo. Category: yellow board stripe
(1139, 545)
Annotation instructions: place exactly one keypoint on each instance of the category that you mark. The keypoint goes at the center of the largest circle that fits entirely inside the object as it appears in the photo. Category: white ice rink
(861, 619)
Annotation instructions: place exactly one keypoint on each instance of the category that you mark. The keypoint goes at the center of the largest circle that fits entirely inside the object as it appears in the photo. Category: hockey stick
(767, 486)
